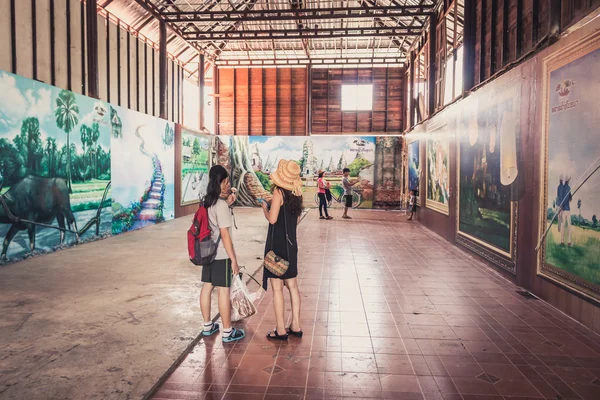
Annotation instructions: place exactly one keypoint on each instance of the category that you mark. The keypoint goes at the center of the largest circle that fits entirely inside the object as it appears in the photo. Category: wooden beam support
(92, 47)
(482, 45)
(468, 70)
(535, 21)
(201, 91)
(505, 48)
(494, 37)
(554, 20)
(432, 64)
(519, 31)
(412, 91)
(162, 71)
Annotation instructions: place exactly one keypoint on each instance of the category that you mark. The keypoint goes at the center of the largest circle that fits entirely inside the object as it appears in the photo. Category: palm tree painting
(67, 118)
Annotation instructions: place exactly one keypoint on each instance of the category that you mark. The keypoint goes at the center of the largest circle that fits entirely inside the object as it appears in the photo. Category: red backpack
(201, 248)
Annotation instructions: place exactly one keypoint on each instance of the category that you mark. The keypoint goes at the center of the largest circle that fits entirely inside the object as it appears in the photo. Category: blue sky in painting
(573, 145)
(23, 98)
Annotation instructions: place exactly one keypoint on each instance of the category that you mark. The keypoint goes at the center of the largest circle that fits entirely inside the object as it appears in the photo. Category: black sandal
(277, 335)
(294, 333)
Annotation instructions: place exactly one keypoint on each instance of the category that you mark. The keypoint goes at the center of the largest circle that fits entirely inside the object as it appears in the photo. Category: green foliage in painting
(67, 118)
(264, 180)
(357, 165)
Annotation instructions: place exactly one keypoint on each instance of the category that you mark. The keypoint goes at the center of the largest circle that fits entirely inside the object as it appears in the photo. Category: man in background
(347, 185)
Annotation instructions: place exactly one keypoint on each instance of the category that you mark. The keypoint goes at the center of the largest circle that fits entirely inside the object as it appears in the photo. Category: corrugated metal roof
(134, 13)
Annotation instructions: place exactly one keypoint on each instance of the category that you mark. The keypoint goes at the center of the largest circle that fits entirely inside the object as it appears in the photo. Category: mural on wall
(437, 177)
(254, 158)
(488, 170)
(195, 152)
(388, 172)
(572, 246)
(414, 168)
(143, 165)
(55, 167)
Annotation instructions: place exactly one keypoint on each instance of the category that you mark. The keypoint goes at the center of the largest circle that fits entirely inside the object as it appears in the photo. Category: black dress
(279, 244)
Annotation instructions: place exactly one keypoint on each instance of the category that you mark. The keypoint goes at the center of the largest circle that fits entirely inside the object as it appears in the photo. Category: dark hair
(216, 176)
(346, 170)
(321, 174)
(293, 202)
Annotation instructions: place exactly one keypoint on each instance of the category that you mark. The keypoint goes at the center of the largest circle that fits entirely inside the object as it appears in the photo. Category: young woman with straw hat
(283, 215)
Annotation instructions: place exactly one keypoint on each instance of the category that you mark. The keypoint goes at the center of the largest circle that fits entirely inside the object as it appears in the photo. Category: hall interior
(480, 117)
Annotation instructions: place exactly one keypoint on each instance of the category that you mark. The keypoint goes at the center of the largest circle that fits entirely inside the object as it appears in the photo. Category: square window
(357, 97)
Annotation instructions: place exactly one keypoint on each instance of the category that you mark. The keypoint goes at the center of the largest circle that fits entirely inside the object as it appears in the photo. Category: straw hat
(287, 176)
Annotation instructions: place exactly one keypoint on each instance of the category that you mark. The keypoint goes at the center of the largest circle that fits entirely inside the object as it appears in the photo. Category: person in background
(565, 213)
(412, 204)
(220, 272)
(322, 185)
(347, 185)
(284, 215)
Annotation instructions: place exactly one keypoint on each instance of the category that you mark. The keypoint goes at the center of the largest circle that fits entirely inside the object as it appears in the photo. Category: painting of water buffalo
(54, 166)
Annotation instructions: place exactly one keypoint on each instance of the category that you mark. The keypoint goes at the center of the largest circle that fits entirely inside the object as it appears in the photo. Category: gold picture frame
(553, 62)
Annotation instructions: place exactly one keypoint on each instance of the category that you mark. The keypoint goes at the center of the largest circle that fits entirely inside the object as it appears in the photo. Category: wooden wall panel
(284, 101)
(270, 109)
(269, 101)
(5, 36)
(242, 101)
(226, 122)
(24, 35)
(388, 94)
(299, 101)
(113, 63)
(76, 49)
(44, 68)
(102, 68)
(256, 90)
(319, 101)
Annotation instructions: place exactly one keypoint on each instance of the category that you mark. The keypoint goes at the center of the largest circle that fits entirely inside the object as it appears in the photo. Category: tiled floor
(392, 311)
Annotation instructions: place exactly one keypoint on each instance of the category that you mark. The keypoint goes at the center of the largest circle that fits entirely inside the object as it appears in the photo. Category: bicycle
(356, 198)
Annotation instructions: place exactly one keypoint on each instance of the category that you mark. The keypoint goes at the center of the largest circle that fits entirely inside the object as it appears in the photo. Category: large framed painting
(437, 176)
(414, 167)
(570, 254)
(487, 174)
(195, 150)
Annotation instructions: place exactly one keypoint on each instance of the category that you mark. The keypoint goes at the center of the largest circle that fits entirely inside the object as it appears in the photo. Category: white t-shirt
(347, 186)
(219, 216)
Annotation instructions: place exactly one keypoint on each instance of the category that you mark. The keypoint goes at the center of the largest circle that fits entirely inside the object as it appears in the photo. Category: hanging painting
(414, 167)
(571, 172)
(437, 177)
(488, 169)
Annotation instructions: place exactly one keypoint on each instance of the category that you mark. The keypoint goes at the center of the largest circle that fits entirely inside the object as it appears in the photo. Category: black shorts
(348, 198)
(218, 273)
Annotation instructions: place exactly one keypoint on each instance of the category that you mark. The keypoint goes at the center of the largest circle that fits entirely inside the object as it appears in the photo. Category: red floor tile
(391, 311)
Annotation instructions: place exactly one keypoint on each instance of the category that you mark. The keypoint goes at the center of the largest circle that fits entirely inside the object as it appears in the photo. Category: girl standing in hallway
(283, 216)
(221, 270)
(322, 186)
